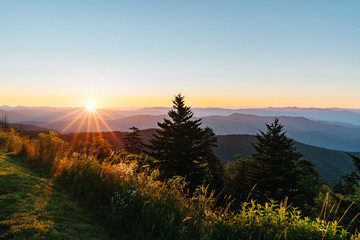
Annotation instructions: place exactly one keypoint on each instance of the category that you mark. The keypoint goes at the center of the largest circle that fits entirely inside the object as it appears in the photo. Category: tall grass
(131, 201)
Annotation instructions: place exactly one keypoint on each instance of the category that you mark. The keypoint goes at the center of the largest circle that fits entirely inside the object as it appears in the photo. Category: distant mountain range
(43, 114)
(347, 117)
(337, 129)
(317, 133)
(324, 129)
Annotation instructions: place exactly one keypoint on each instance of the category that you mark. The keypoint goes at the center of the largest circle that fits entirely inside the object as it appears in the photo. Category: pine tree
(182, 147)
(133, 142)
(276, 173)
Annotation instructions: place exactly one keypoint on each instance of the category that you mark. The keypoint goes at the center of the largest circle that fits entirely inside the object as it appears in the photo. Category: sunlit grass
(129, 200)
(32, 207)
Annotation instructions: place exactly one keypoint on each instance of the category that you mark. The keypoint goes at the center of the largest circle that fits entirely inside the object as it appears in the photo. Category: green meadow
(32, 206)
(122, 198)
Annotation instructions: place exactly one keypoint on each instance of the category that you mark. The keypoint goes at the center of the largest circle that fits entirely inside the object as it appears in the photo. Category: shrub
(50, 149)
(13, 144)
(100, 148)
(3, 139)
(28, 149)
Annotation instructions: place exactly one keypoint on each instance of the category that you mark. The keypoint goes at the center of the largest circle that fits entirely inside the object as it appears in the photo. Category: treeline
(276, 170)
(175, 188)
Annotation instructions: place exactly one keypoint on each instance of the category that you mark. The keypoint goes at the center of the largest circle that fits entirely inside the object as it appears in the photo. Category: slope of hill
(330, 164)
(32, 207)
(133, 205)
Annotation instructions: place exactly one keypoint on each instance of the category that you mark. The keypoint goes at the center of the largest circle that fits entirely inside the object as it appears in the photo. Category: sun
(91, 106)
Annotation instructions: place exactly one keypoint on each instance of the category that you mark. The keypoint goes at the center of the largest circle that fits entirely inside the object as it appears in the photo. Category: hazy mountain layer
(42, 114)
(342, 135)
(330, 164)
(321, 134)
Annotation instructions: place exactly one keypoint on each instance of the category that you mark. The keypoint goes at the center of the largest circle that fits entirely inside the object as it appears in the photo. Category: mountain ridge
(331, 164)
(307, 131)
(341, 115)
(333, 135)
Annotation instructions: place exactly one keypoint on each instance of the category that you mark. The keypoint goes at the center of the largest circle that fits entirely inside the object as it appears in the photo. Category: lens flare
(91, 106)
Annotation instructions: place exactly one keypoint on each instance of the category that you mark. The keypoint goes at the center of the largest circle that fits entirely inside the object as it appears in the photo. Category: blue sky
(217, 53)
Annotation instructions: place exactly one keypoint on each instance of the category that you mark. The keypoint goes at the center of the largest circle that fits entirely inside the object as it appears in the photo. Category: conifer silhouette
(183, 148)
(133, 142)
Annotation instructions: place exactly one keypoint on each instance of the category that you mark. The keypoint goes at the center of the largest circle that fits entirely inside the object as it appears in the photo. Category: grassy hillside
(33, 207)
(330, 164)
(133, 203)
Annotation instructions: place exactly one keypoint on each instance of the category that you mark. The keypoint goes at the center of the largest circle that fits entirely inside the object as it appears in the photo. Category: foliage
(182, 147)
(309, 186)
(13, 143)
(273, 221)
(238, 179)
(99, 148)
(350, 179)
(133, 142)
(80, 148)
(349, 193)
(275, 174)
(50, 149)
(330, 164)
(33, 207)
(134, 204)
(146, 208)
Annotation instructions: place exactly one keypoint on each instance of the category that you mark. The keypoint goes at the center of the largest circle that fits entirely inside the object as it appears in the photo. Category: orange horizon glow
(136, 102)
(122, 58)
(88, 115)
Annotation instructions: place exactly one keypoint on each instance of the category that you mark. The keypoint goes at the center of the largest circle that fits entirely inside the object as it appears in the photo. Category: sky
(217, 53)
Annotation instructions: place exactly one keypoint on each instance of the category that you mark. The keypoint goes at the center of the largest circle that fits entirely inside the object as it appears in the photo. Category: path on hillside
(32, 207)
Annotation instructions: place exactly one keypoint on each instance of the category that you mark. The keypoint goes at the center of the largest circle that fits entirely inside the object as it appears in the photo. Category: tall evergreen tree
(182, 147)
(133, 142)
(276, 173)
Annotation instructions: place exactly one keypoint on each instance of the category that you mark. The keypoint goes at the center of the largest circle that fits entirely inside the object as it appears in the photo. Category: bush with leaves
(51, 149)
(14, 142)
